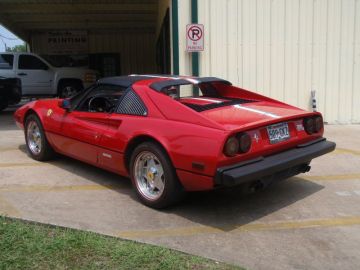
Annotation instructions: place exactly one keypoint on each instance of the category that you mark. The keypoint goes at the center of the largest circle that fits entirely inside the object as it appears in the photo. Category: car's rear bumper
(281, 165)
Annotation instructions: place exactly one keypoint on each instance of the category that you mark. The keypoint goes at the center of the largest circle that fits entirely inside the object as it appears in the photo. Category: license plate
(278, 133)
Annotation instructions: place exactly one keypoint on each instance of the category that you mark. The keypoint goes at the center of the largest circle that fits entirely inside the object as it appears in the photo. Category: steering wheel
(99, 104)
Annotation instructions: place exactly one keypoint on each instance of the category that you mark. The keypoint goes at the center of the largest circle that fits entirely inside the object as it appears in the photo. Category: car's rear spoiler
(160, 85)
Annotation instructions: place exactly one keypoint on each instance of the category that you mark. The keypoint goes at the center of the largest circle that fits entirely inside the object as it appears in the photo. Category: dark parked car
(10, 92)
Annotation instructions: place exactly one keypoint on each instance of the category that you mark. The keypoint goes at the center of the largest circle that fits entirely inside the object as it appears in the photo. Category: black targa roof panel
(169, 80)
(124, 81)
(176, 81)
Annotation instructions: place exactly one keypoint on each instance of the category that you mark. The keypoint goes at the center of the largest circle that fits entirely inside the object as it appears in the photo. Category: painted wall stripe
(175, 35)
(195, 55)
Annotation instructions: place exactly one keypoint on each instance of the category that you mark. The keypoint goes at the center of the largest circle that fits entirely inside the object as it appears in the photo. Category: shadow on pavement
(91, 173)
(7, 121)
(225, 209)
(229, 209)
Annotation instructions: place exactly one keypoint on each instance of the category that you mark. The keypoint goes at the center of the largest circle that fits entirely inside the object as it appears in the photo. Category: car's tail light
(313, 124)
(244, 142)
(309, 125)
(240, 143)
(318, 123)
(231, 146)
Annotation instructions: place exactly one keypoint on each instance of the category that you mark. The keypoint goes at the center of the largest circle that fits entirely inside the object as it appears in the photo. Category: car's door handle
(22, 74)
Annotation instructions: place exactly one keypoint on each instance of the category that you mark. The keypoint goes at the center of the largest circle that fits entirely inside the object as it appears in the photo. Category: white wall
(283, 49)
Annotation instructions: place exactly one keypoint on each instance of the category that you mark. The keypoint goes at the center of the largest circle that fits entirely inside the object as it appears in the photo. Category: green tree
(17, 48)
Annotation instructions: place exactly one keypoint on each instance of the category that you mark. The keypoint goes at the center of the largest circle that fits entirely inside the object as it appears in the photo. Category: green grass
(25, 245)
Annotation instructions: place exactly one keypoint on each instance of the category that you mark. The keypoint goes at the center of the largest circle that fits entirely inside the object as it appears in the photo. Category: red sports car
(168, 140)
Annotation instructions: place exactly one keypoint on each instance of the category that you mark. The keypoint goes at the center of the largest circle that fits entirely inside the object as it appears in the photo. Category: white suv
(39, 78)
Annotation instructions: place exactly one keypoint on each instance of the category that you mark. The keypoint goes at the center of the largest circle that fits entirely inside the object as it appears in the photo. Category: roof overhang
(24, 17)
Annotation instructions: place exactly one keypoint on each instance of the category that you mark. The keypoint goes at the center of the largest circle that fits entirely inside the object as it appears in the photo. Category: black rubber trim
(267, 166)
(123, 81)
(160, 85)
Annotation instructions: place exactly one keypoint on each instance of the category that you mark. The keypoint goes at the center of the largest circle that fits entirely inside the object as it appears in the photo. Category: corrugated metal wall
(283, 49)
(137, 51)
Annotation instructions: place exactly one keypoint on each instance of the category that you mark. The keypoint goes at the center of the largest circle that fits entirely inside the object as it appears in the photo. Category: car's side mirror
(65, 104)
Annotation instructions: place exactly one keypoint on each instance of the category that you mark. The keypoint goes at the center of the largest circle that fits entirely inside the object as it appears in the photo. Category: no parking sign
(194, 37)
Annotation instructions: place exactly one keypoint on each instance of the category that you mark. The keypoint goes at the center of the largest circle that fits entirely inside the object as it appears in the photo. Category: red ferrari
(153, 129)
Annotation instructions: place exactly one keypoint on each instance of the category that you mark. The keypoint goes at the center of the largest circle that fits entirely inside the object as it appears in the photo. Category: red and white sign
(194, 37)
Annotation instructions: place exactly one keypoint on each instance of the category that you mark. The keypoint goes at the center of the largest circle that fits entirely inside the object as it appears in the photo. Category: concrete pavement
(307, 222)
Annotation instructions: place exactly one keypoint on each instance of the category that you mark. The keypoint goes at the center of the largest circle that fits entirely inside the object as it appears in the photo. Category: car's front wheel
(36, 142)
(154, 177)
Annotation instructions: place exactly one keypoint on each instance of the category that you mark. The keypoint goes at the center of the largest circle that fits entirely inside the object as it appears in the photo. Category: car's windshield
(79, 96)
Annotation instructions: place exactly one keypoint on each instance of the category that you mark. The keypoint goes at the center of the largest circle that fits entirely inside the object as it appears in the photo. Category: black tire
(3, 104)
(46, 151)
(173, 191)
(68, 89)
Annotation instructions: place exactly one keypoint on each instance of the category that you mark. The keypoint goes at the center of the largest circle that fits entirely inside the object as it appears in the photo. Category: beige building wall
(163, 5)
(137, 50)
(283, 49)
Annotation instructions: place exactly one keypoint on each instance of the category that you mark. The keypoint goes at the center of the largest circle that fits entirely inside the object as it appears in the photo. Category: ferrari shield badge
(49, 112)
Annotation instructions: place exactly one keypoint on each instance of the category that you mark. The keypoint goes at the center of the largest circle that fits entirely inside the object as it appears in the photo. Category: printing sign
(66, 42)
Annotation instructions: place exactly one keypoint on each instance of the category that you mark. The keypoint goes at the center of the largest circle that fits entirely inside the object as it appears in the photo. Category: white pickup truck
(40, 78)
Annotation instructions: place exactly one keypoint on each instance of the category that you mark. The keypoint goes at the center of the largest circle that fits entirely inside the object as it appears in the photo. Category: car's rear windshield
(202, 97)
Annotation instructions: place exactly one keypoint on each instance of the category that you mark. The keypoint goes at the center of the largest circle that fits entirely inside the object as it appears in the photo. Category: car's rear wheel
(154, 177)
(36, 142)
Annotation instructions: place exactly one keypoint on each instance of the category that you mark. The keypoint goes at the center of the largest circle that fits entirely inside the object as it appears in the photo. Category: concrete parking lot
(307, 222)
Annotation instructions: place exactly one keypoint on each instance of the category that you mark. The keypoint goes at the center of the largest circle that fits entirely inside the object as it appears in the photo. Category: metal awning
(25, 17)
